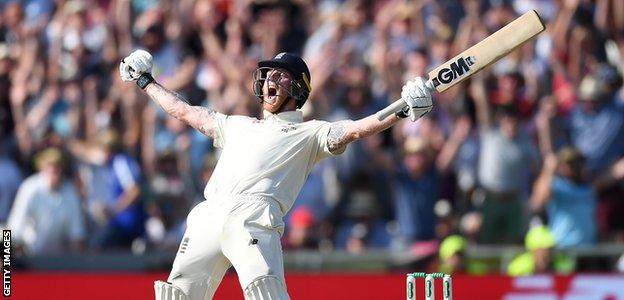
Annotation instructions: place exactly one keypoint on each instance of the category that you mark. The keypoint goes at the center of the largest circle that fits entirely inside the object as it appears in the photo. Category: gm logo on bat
(455, 70)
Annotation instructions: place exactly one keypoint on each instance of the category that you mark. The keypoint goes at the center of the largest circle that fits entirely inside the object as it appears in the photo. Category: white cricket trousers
(243, 232)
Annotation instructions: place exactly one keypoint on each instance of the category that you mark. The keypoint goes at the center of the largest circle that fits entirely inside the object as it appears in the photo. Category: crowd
(88, 163)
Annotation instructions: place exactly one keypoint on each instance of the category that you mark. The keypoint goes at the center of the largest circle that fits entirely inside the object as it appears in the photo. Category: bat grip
(398, 105)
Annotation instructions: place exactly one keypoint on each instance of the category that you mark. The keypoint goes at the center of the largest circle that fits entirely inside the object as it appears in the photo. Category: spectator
(563, 189)
(12, 29)
(361, 225)
(452, 254)
(610, 207)
(168, 202)
(453, 258)
(416, 191)
(302, 232)
(117, 181)
(418, 184)
(597, 123)
(47, 217)
(319, 193)
(461, 153)
(597, 131)
(539, 258)
(506, 160)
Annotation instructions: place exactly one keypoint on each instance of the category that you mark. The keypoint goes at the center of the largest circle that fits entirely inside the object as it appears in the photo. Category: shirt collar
(294, 116)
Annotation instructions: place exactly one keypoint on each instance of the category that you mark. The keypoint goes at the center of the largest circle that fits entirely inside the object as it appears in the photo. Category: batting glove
(135, 64)
(417, 97)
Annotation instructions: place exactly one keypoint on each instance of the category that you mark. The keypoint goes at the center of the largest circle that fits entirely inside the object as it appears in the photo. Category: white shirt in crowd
(45, 220)
(505, 164)
(268, 158)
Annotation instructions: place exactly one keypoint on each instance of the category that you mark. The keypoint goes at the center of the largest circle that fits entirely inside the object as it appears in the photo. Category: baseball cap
(293, 64)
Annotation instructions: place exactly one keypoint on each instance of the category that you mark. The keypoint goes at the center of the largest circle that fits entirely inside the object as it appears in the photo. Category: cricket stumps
(447, 285)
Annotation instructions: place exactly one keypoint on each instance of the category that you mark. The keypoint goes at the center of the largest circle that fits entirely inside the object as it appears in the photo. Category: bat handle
(398, 105)
(390, 109)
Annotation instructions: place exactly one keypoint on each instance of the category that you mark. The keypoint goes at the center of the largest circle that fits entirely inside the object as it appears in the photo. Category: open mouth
(272, 91)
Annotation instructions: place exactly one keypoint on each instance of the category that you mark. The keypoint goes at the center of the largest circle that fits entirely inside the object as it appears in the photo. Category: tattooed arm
(342, 133)
(417, 97)
(198, 117)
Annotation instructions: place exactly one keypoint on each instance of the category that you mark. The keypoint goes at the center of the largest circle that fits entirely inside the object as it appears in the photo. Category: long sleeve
(21, 211)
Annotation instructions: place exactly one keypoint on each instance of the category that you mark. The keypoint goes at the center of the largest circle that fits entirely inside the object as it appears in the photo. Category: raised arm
(137, 68)
(417, 103)
(542, 190)
(479, 96)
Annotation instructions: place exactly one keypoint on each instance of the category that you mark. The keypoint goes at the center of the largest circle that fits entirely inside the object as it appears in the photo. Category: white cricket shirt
(269, 158)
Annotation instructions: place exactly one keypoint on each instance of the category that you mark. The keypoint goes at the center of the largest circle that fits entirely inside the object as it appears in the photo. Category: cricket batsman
(261, 169)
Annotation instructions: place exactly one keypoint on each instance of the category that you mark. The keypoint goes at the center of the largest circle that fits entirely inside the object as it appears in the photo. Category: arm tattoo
(338, 136)
(204, 115)
(174, 104)
(170, 101)
(347, 131)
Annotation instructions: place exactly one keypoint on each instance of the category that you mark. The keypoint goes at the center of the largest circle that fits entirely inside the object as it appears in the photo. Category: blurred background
(518, 171)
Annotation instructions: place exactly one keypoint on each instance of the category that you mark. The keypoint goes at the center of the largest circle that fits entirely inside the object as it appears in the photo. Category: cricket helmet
(300, 86)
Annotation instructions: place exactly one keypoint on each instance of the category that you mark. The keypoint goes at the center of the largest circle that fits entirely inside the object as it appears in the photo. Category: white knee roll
(266, 288)
(167, 291)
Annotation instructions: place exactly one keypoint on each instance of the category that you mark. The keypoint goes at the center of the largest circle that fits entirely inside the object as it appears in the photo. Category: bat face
(488, 51)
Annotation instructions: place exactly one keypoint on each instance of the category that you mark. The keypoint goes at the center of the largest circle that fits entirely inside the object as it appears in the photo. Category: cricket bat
(477, 57)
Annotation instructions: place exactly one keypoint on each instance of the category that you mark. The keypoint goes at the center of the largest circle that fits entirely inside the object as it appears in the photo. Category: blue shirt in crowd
(572, 213)
(414, 201)
(126, 173)
(599, 134)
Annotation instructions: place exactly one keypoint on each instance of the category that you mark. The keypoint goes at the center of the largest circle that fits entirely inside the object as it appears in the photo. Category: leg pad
(266, 288)
(166, 291)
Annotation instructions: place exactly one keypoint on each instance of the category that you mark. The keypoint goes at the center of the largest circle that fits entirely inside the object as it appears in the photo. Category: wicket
(447, 286)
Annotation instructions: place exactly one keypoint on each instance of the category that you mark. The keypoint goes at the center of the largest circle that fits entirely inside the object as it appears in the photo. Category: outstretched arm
(137, 68)
(198, 117)
(344, 132)
(417, 103)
